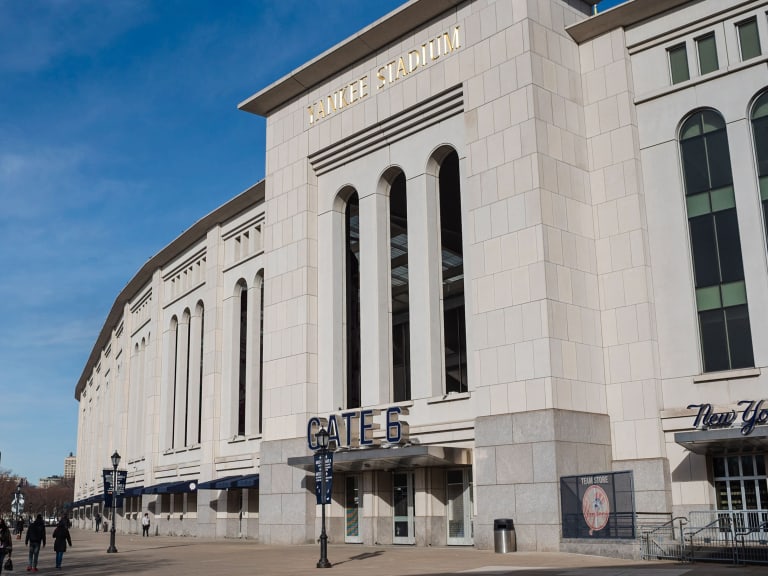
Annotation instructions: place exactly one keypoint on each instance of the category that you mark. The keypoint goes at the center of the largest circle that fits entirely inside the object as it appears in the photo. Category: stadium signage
(753, 414)
(396, 69)
(355, 428)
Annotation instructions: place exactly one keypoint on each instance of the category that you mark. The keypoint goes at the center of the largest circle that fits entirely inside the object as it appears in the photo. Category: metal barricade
(663, 541)
(752, 544)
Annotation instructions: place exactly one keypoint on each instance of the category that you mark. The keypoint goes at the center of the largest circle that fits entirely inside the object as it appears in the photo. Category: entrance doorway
(459, 507)
(352, 503)
(402, 504)
(741, 486)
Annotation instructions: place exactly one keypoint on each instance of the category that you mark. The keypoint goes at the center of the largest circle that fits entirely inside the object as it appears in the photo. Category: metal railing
(663, 541)
(752, 544)
(713, 542)
(731, 536)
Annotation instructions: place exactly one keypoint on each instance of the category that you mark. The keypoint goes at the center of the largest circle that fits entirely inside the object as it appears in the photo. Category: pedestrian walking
(98, 521)
(61, 538)
(6, 543)
(35, 539)
(145, 525)
(19, 528)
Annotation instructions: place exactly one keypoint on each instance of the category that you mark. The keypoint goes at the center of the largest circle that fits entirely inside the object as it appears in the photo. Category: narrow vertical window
(721, 296)
(199, 414)
(749, 39)
(707, 50)
(174, 349)
(678, 63)
(398, 242)
(760, 134)
(352, 283)
(243, 341)
(452, 256)
(261, 352)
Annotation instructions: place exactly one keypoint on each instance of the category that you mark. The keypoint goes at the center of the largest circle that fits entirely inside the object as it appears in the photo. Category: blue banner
(319, 477)
(115, 491)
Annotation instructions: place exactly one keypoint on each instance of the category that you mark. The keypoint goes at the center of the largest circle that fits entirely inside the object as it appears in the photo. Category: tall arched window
(454, 320)
(260, 283)
(242, 358)
(352, 295)
(760, 132)
(196, 402)
(721, 295)
(398, 242)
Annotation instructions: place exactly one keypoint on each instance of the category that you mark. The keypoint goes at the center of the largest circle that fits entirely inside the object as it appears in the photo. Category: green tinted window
(678, 64)
(707, 54)
(749, 39)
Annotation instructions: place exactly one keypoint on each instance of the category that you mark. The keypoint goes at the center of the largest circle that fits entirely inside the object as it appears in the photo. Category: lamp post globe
(115, 463)
(323, 439)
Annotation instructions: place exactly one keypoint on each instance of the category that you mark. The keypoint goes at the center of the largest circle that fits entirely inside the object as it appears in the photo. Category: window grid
(749, 39)
(678, 63)
(706, 48)
(721, 299)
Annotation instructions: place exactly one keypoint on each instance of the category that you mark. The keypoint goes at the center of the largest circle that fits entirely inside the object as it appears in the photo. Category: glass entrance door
(402, 504)
(459, 507)
(353, 502)
(741, 487)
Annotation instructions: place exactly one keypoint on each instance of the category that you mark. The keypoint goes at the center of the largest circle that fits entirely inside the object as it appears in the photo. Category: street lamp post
(115, 463)
(18, 510)
(322, 442)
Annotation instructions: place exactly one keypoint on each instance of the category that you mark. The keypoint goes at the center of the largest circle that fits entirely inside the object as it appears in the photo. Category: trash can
(504, 538)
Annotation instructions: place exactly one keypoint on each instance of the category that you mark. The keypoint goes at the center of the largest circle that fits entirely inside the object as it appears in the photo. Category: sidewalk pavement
(187, 556)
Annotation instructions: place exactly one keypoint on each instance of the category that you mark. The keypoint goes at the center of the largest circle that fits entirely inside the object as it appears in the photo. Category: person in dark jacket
(35, 538)
(6, 543)
(61, 538)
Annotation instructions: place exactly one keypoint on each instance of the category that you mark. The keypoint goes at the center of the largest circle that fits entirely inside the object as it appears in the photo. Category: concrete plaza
(162, 555)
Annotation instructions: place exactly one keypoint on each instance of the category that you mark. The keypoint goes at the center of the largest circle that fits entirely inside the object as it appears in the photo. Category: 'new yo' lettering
(753, 415)
(708, 418)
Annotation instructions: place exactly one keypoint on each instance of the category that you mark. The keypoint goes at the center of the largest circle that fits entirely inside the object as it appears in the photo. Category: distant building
(70, 465)
(539, 236)
(49, 481)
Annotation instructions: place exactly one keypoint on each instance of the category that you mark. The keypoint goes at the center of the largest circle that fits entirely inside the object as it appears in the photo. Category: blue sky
(119, 129)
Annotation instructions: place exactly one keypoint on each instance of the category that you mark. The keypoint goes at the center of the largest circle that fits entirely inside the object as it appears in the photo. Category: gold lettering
(389, 69)
(401, 67)
(448, 45)
(408, 62)
(411, 64)
(432, 49)
(352, 92)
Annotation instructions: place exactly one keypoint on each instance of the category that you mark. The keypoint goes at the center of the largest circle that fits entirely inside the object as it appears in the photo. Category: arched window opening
(261, 351)
(200, 312)
(352, 294)
(243, 341)
(174, 345)
(184, 383)
(398, 242)
(760, 132)
(721, 295)
(452, 254)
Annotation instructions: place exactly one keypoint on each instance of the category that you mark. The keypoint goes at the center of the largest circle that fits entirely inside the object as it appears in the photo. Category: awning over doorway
(175, 487)
(231, 482)
(724, 440)
(391, 458)
(133, 491)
